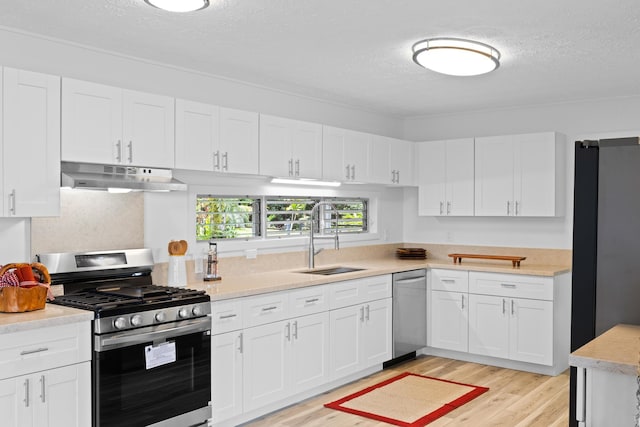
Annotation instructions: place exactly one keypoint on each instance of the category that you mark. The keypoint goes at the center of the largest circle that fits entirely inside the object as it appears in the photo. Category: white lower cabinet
(360, 337)
(449, 320)
(226, 375)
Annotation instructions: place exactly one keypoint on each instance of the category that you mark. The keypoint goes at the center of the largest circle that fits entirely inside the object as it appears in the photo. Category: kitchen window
(227, 217)
(222, 217)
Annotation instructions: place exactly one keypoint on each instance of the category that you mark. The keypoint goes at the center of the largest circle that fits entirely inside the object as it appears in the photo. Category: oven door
(152, 375)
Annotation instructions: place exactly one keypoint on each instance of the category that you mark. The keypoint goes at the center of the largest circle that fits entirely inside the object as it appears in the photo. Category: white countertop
(617, 350)
(51, 315)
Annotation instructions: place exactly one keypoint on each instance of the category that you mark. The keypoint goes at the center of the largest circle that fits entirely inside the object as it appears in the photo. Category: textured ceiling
(358, 52)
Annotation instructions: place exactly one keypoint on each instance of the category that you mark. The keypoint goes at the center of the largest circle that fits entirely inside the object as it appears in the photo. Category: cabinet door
(148, 129)
(276, 158)
(63, 396)
(401, 154)
(226, 375)
(91, 122)
(376, 336)
(380, 161)
(13, 403)
(265, 364)
(432, 178)
(449, 320)
(531, 331)
(306, 150)
(494, 171)
(356, 155)
(489, 325)
(535, 175)
(310, 351)
(197, 135)
(333, 167)
(460, 177)
(345, 330)
(31, 135)
(239, 146)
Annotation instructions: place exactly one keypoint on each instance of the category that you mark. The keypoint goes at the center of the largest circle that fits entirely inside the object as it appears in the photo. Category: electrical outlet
(449, 236)
(251, 253)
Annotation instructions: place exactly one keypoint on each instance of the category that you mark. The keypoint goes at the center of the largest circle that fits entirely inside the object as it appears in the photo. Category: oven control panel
(152, 317)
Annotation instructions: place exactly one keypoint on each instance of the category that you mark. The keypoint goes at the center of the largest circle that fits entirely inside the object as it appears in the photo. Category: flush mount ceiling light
(179, 5)
(456, 57)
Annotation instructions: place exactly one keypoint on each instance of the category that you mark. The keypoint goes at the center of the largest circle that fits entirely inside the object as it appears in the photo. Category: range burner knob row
(136, 320)
(120, 323)
(160, 316)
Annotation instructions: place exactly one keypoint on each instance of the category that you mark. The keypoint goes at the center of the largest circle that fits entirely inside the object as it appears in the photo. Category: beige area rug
(408, 399)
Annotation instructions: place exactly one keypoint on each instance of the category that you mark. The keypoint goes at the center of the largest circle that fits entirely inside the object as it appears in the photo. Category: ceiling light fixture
(305, 182)
(179, 5)
(456, 57)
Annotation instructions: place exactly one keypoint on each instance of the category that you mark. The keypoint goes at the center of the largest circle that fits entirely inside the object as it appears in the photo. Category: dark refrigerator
(606, 241)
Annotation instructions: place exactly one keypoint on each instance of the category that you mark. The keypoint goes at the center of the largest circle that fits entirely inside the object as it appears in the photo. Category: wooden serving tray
(515, 260)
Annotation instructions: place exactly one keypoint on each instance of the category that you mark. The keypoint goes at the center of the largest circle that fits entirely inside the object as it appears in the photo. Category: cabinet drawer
(45, 348)
(311, 300)
(344, 294)
(511, 285)
(377, 287)
(263, 309)
(449, 280)
(226, 316)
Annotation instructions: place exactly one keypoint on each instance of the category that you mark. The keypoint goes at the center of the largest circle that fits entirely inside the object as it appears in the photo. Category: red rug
(408, 400)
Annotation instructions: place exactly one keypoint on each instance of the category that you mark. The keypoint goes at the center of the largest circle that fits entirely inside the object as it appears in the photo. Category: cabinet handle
(362, 314)
(513, 311)
(353, 172)
(504, 310)
(367, 311)
(462, 301)
(225, 161)
(37, 350)
(288, 334)
(42, 389)
(265, 309)
(448, 208)
(441, 206)
(26, 393)
(309, 301)
(241, 342)
(130, 151)
(119, 151)
(508, 285)
(448, 280)
(348, 174)
(298, 167)
(397, 177)
(508, 208)
(290, 167)
(517, 207)
(12, 202)
(295, 329)
(393, 176)
(228, 316)
(216, 160)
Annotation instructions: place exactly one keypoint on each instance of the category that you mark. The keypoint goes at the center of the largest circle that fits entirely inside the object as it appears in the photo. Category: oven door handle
(152, 333)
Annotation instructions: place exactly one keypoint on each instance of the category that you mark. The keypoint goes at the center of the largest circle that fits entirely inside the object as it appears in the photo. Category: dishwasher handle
(409, 280)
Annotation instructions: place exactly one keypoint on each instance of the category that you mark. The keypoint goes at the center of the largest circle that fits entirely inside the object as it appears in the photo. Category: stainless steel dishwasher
(409, 314)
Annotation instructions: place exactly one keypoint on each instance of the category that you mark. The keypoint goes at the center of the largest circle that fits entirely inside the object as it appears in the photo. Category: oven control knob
(182, 313)
(120, 323)
(197, 311)
(136, 320)
(160, 316)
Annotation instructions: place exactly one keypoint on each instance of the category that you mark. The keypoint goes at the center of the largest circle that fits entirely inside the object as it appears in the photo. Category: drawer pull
(273, 307)
(228, 316)
(309, 301)
(508, 285)
(448, 280)
(37, 350)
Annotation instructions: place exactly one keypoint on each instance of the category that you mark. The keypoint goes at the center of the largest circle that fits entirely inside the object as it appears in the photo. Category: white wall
(14, 240)
(578, 121)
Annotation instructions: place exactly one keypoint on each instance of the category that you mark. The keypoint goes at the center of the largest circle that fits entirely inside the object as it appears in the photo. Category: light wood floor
(515, 398)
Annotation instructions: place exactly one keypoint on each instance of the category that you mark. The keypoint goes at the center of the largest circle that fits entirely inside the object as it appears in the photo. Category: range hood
(103, 177)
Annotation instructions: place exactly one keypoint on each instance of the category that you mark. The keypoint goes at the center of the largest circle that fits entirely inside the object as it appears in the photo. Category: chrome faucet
(312, 237)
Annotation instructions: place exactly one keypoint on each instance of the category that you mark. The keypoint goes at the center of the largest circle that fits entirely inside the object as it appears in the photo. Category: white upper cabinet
(520, 175)
(290, 148)
(110, 125)
(391, 161)
(30, 158)
(345, 155)
(238, 152)
(212, 138)
(445, 177)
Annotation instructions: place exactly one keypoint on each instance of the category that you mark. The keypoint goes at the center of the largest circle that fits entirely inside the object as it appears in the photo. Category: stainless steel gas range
(151, 344)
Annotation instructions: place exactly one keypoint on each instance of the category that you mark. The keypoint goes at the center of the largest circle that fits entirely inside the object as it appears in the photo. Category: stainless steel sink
(331, 270)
